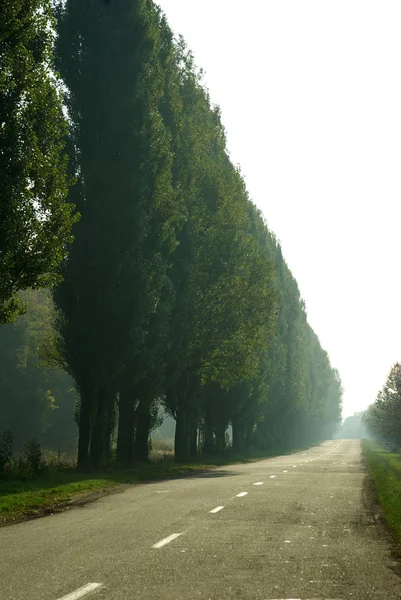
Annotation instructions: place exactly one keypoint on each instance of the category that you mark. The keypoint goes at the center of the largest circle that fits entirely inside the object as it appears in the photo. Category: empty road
(292, 527)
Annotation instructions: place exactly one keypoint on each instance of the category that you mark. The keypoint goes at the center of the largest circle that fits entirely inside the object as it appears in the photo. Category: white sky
(310, 93)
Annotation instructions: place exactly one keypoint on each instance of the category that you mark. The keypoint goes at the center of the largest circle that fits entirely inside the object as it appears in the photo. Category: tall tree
(116, 280)
(35, 219)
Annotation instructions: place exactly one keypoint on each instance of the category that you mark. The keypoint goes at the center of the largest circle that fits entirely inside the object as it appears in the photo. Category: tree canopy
(35, 219)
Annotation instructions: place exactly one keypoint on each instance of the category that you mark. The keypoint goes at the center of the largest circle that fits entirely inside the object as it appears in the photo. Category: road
(292, 527)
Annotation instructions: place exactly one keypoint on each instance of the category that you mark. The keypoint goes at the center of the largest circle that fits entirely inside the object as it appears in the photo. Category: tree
(35, 219)
(116, 294)
(383, 418)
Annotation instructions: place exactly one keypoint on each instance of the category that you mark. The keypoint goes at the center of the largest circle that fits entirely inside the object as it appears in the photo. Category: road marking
(285, 471)
(258, 483)
(294, 466)
(216, 510)
(241, 494)
(166, 540)
(272, 476)
(82, 591)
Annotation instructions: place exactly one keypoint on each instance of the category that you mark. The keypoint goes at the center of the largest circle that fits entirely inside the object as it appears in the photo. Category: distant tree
(353, 427)
(35, 219)
(383, 418)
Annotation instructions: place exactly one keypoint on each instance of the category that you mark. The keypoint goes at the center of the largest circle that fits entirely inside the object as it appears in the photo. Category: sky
(310, 93)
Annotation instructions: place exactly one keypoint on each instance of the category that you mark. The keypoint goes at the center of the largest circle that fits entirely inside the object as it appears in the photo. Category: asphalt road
(292, 527)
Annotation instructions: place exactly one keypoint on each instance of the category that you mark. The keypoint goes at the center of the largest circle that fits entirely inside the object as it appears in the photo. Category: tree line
(174, 291)
(383, 417)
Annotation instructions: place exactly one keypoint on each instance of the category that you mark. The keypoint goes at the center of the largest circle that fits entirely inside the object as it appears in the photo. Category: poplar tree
(35, 219)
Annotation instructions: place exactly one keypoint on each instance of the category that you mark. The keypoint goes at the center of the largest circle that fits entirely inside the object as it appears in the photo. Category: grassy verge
(385, 469)
(55, 492)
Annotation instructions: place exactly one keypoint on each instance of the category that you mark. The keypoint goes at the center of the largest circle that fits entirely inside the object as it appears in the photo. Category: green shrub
(31, 458)
(6, 451)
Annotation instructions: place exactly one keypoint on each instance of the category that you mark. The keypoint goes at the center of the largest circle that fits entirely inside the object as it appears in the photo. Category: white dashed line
(272, 476)
(285, 471)
(166, 540)
(258, 483)
(216, 510)
(242, 494)
(82, 591)
(294, 466)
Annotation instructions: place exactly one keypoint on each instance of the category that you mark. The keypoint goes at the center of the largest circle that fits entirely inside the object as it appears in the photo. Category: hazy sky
(310, 93)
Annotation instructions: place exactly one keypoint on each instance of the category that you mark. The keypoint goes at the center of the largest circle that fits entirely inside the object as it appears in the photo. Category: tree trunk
(220, 431)
(194, 441)
(126, 424)
(99, 452)
(248, 435)
(209, 439)
(84, 429)
(238, 436)
(183, 430)
(181, 435)
(142, 431)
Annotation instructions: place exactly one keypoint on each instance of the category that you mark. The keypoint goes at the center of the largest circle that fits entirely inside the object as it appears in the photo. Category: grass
(385, 470)
(54, 491)
(50, 492)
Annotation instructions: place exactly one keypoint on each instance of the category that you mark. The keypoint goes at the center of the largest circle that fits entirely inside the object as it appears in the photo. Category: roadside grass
(385, 470)
(52, 491)
(55, 491)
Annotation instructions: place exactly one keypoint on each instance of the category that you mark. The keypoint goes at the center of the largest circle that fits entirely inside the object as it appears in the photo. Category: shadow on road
(211, 474)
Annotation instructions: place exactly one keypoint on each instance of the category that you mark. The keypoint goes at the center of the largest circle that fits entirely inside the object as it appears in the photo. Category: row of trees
(174, 293)
(383, 418)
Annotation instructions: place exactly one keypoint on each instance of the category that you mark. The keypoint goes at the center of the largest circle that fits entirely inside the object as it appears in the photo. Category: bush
(162, 450)
(59, 461)
(31, 459)
(6, 451)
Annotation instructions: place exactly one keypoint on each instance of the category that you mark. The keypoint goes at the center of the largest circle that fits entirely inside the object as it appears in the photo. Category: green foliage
(115, 301)
(6, 451)
(31, 458)
(383, 418)
(35, 220)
